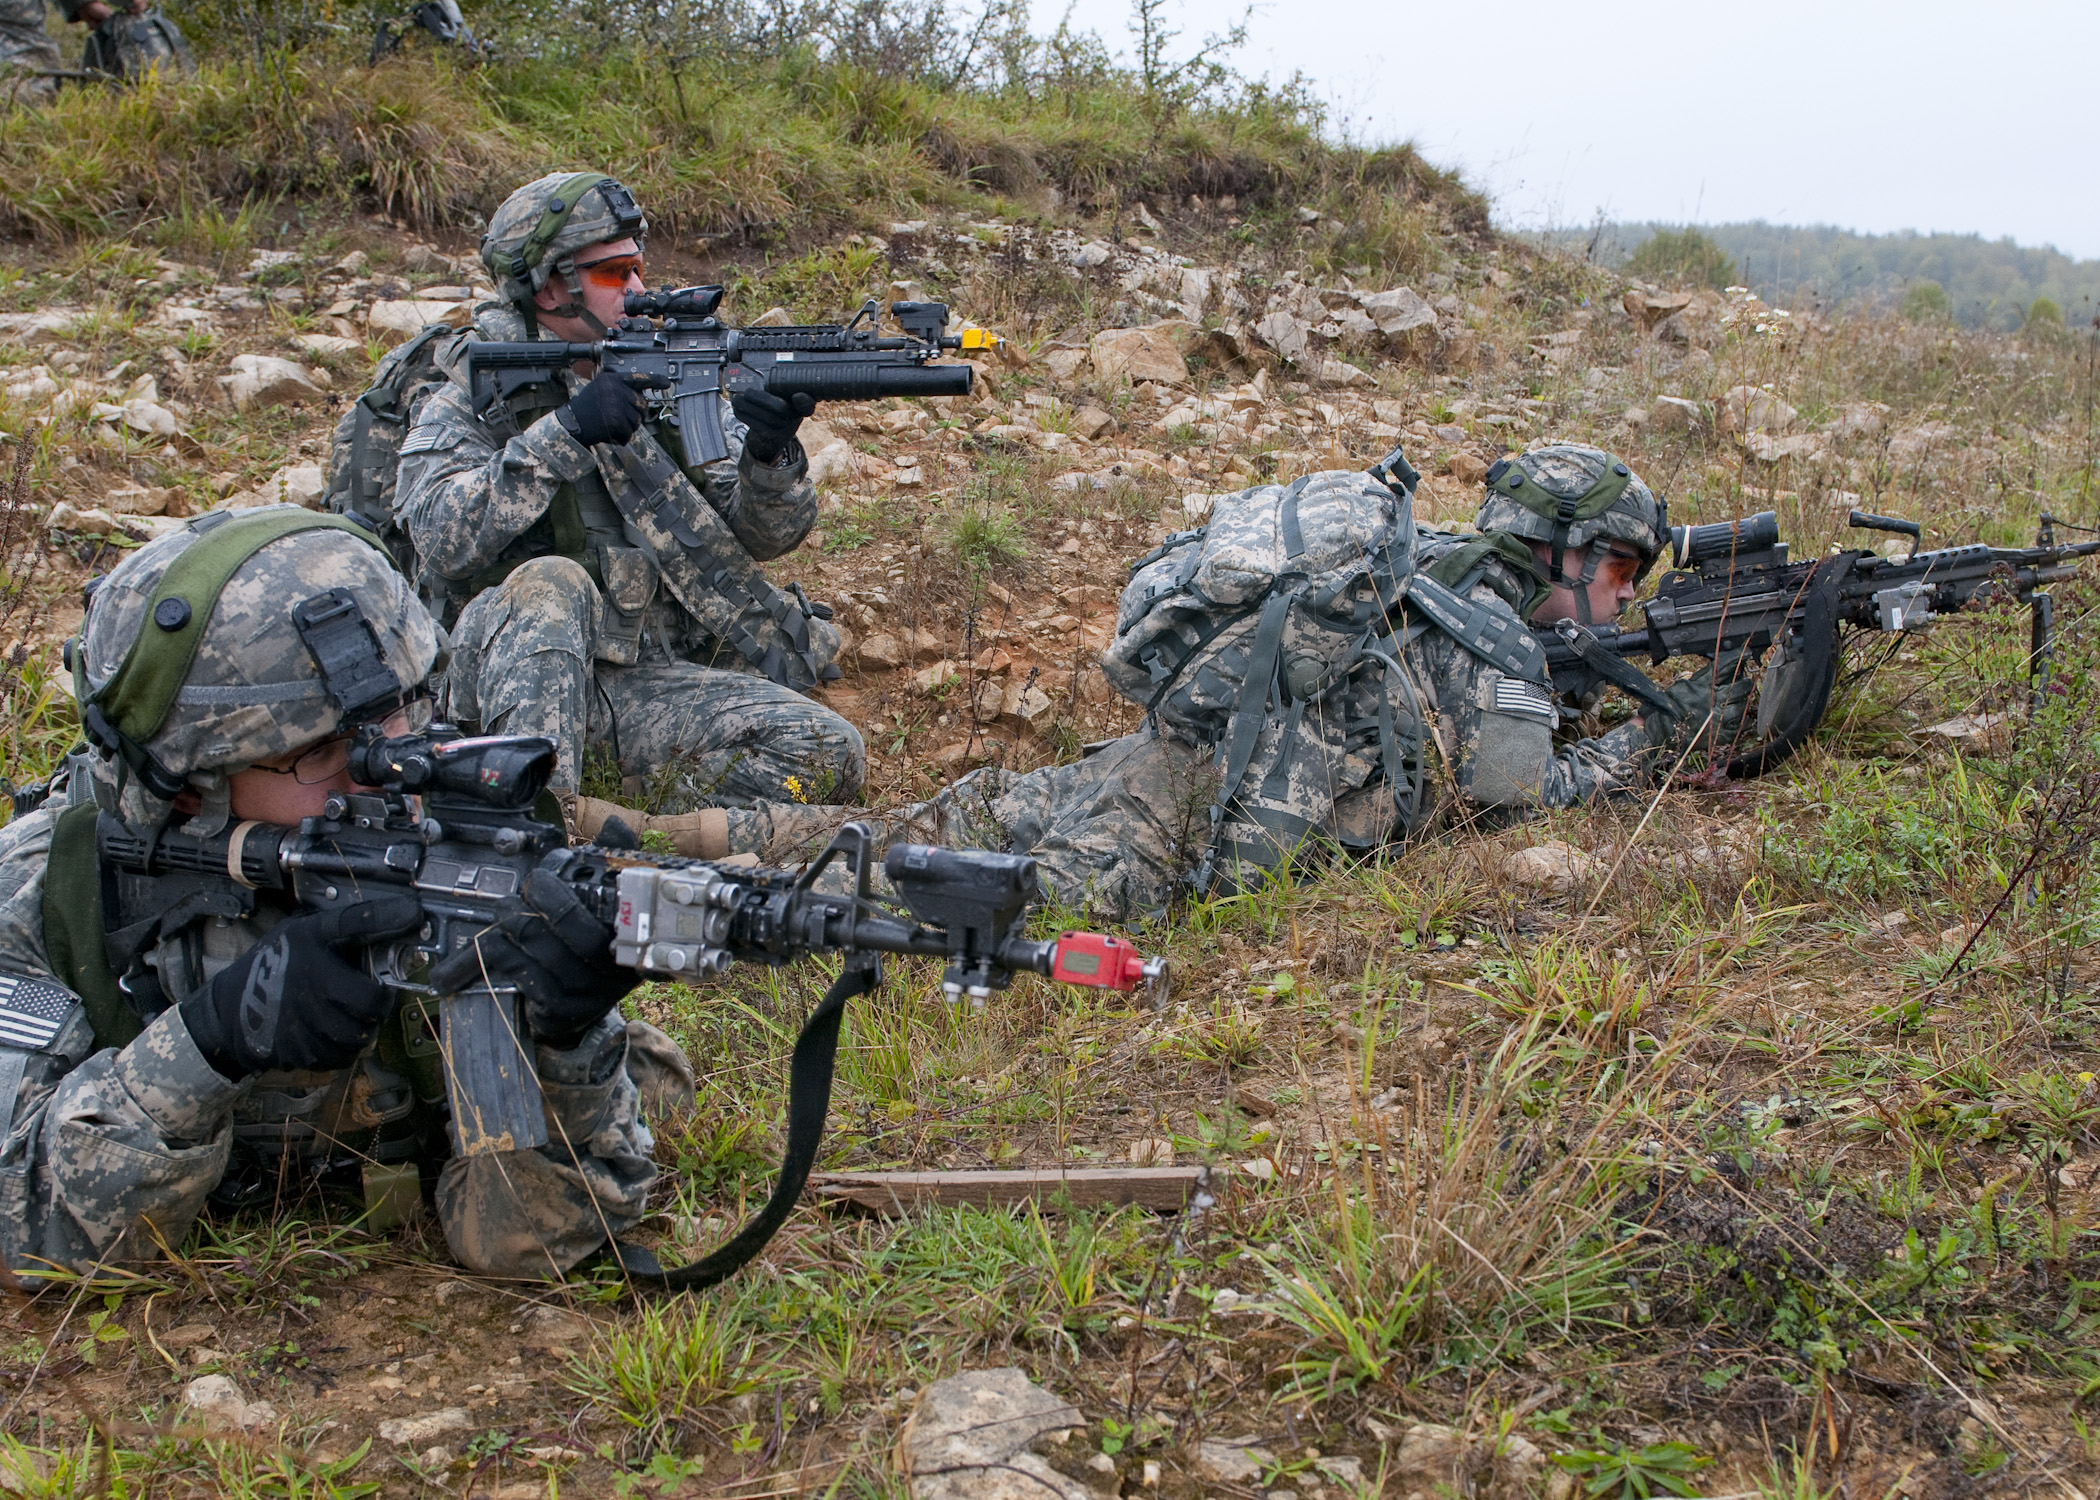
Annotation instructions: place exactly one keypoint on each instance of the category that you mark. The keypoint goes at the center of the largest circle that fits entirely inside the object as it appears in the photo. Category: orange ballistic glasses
(613, 271)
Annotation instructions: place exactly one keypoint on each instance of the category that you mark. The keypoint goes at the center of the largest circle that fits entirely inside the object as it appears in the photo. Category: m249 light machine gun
(673, 347)
(1733, 593)
(449, 821)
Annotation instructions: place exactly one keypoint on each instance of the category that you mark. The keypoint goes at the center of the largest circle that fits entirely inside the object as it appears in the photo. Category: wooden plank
(1164, 1188)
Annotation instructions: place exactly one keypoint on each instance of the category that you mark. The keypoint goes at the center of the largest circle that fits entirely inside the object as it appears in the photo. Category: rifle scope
(1720, 540)
(504, 771)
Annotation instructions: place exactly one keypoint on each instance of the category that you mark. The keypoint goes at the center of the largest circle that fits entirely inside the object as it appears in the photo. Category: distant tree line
(1961, 277)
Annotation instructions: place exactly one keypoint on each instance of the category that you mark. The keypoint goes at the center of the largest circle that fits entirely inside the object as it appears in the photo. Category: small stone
(398, 320)
(968, 1439)
(1152, 1474)
(1063, 624)
(1552, 867)
(553, 1325)
(219, 1402)
(930, 679)
(1468, 468)
(882, 652)
(1231, 1463)
(991, 661)
(326, 343)
(434, 1458)
(1101, 1463)
(1064, 365)
(188, 1336)
(1090, 422)
(418, 1432)
(1031, 705)
(1138, 354)
(260, 380)
(1152, 1151)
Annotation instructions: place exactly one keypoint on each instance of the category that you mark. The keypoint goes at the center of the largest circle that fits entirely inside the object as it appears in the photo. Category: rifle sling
(809, 1102)
(75, 930)
(1617, 671)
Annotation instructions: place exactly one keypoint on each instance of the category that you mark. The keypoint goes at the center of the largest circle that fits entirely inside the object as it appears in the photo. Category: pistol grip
(489, 1077)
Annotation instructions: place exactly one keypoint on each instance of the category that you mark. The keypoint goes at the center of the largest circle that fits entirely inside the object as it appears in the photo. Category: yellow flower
(794, 788)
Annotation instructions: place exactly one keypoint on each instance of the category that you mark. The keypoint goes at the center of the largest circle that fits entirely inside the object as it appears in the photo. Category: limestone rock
(1397, 312)
(1031, 705)
(932, 679)
(1339, 372)
(1468, 468)
(1675, 414)
(260, 380)
(1231, 1463)
(968, 1439)
(398, 320)
(1139, 354)
(1090, 422)
(325, 343)
(1857, 419)
(54, 325)
(542, 1324)
(1289, 335)
(141, 500)
(295, 484)
(1064, 365)
(1768, 449)
(1746, 408)
(777, 317)
(420, 1432)
(1977, 733)
(217, 1400)
(1553, 868)
(882, 652)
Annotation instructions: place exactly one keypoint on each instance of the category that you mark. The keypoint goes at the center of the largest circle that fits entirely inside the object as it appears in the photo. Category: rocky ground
(1779, 1188)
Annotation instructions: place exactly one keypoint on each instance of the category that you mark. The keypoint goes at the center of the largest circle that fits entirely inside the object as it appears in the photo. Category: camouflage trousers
(25, 47)
(1114, 835)
(524, 662)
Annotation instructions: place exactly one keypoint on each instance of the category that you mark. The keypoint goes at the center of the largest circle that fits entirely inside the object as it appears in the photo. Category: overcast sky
(1927, 115)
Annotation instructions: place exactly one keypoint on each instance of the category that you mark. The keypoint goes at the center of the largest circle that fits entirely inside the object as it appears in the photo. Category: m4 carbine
(1733, 593)
(449, 821)
(673, 347)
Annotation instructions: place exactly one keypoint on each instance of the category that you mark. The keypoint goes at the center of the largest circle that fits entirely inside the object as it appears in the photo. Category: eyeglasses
(319, 764)
(1620, 569)
(614, 271)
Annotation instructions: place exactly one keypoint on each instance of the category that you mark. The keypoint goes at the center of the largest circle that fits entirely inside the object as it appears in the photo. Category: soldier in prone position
(1123, 829)
(685, 664)
(227, 1046)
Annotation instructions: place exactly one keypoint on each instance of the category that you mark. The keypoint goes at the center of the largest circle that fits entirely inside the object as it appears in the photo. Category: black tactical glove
(1721, 689)
(770, 421)
(295, 1000)
(557, 954)
(608, 410)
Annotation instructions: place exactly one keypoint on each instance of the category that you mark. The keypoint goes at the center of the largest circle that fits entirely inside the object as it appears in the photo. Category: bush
(1682, 255)
(1926, 302)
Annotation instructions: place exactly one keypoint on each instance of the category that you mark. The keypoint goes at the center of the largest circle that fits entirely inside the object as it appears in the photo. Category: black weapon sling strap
(809, 1103)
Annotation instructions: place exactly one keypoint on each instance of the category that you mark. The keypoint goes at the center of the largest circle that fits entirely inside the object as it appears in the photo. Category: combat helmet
(245, 635)
(536, 233)
(1569, 495)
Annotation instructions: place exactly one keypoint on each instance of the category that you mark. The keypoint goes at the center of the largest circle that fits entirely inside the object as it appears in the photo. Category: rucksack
(364, 456)
(128, 47)
(1274, 633)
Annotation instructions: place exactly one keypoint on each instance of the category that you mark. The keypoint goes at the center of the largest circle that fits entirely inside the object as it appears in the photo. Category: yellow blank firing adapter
(979, 338)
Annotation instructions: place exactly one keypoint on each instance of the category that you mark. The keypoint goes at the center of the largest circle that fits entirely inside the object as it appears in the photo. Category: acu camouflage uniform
(606, 596)
(1121, 831)
(120, 1130)
(26, 50)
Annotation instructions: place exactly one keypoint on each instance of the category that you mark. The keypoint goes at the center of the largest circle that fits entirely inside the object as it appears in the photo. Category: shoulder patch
(1515, 696)
(32, 1010)
(431, 437)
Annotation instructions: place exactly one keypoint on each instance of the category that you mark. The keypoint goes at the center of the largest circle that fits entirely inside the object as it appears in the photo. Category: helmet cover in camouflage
(253, 689)
(1527, 493)
(547, 221)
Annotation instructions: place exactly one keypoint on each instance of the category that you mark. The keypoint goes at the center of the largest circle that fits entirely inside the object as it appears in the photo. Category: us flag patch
(32, 1011)
(1515, 696)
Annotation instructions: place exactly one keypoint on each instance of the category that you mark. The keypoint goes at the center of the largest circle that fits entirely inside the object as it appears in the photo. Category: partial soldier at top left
(27, 52)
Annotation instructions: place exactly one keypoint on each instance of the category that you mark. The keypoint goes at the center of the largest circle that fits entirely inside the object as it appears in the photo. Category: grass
(1708, 1176)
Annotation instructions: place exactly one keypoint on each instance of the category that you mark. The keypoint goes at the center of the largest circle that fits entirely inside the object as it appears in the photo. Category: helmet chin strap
(575, 307)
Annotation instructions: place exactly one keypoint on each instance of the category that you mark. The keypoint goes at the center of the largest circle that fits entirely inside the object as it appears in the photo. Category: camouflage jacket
(478, 495)
(111, 1152)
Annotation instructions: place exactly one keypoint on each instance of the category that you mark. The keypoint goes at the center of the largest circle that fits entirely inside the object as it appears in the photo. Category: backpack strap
(74, 928)
(381, 402)
(1501, 640)
(131, 707)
